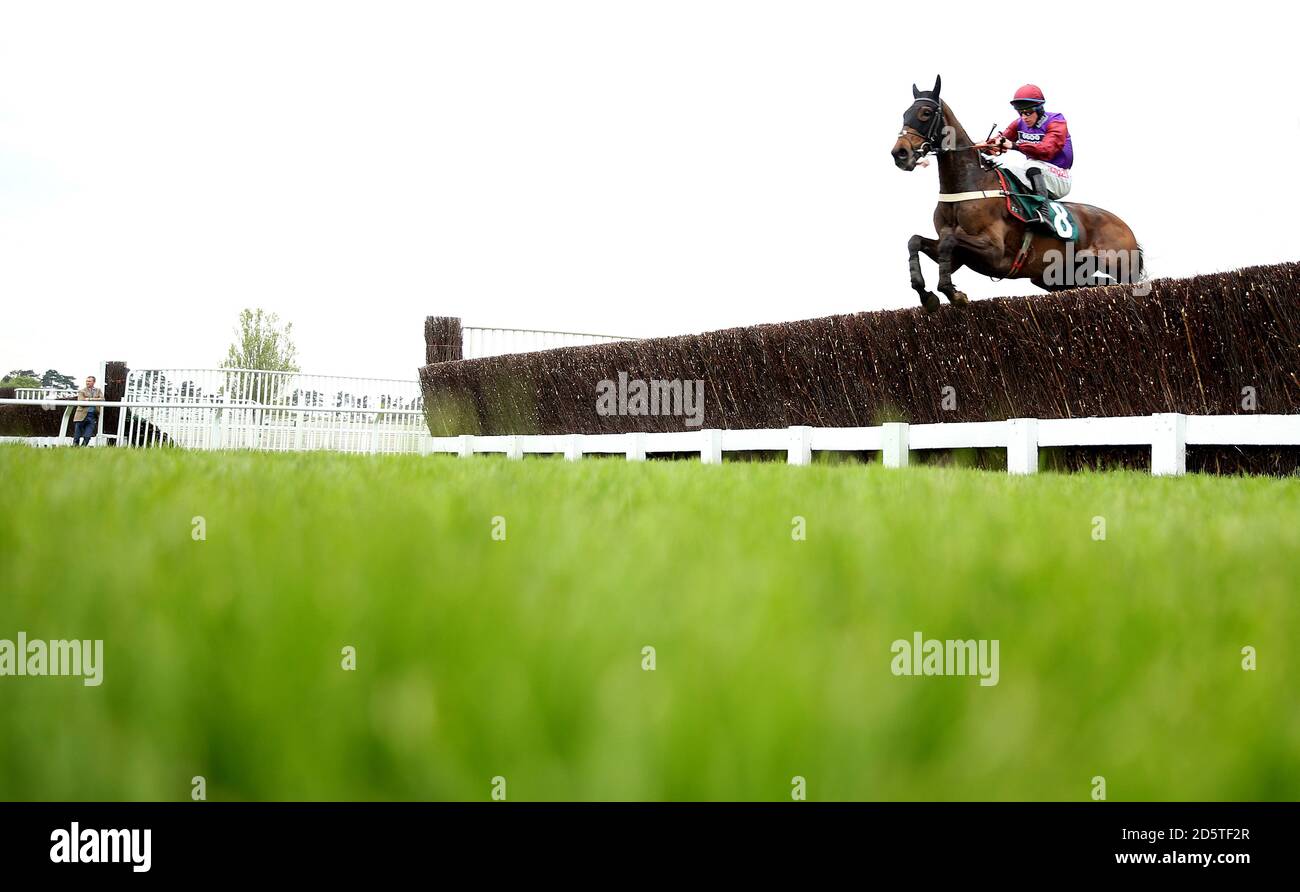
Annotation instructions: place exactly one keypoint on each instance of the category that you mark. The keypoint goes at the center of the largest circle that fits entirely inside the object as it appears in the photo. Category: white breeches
(1056, 179)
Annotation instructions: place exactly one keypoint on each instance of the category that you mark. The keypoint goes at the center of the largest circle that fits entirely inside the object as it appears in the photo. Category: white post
(1169, 444)
(515, 451)
(1022, 446)
(894, 440)
(573, 448)
(799, 452)
(298, 420)
(374, 434)
(99, 413)
(635, 446)
(711, 447)
(465, 446)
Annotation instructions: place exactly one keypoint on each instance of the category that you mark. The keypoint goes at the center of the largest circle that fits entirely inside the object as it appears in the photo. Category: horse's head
(922, 126)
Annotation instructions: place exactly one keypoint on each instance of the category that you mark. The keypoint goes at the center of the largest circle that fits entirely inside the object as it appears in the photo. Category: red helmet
(1028, 96)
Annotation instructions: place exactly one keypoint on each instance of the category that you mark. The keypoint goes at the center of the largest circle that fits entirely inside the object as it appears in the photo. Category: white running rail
(1166, 435)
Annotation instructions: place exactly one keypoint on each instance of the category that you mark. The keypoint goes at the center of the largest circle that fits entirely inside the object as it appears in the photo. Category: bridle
(930, 139)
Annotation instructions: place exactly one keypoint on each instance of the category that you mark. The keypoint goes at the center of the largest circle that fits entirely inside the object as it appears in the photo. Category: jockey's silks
(1026, 134)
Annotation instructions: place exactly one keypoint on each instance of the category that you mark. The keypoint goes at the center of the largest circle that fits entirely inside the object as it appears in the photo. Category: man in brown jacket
(85, 417)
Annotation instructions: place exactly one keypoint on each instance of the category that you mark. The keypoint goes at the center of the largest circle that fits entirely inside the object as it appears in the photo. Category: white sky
(622, 167)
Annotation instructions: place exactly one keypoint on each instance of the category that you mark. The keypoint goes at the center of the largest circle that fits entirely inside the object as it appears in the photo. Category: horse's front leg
(915, 245)
(947, 245)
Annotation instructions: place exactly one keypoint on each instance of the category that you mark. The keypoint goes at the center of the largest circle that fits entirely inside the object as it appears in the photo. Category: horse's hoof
(929, 301)
(959, 298)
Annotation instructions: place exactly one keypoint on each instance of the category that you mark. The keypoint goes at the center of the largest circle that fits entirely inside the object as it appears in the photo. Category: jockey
(1036, 146)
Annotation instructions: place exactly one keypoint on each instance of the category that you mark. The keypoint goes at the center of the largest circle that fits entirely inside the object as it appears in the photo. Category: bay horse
(977, 229)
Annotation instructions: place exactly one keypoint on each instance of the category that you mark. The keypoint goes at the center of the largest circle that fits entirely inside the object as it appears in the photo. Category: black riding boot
(1036, 182)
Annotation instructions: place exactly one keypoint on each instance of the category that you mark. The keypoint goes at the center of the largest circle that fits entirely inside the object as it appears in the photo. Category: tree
(20, 378)
(261, 342)
(52, 378)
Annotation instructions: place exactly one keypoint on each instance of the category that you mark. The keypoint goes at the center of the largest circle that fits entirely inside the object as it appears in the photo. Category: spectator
(86, 416)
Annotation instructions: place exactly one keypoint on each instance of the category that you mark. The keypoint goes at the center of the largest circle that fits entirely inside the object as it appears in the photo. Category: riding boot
(1036, 182)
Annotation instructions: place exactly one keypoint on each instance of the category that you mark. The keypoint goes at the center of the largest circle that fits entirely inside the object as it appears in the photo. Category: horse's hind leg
(947, 245)
(915, 245)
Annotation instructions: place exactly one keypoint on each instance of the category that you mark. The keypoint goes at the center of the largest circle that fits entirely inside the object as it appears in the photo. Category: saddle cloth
(1041, 214)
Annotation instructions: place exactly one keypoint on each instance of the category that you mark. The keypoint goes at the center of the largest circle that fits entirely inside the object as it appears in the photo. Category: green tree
(20, 378)
(53, 378)
(262, 343)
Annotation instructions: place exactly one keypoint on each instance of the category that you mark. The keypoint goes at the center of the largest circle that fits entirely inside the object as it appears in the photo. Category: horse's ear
(916, 94)
(937, 82)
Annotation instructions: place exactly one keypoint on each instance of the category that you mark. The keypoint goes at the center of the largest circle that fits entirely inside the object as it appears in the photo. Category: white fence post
(894, 440)
(799, 452)
(1022, 446)
(573, 448)
(515, 450)
(465, 445)
(298, 421)
(636, 446)
(1169, 444)
(711, 447)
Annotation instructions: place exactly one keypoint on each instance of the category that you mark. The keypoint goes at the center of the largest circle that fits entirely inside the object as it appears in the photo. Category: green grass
(480, 658)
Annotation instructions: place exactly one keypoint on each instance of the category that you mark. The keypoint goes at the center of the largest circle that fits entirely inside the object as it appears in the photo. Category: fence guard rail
(1168, 435)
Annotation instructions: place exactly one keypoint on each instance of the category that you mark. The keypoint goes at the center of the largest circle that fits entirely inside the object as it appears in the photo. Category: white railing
(273, 411)
(1167, 435)
(43, 393)
(477, 343)
(257, 427)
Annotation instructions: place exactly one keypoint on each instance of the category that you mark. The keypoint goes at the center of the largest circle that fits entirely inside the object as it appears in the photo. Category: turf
(522, 659)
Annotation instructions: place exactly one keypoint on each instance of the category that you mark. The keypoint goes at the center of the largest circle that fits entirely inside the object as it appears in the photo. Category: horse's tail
(1141, 264)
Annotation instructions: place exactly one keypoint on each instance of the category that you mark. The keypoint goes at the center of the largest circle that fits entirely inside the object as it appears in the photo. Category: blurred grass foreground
(660, 630)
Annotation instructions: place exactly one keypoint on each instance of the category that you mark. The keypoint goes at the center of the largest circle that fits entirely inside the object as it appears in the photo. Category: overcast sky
(617, 167)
